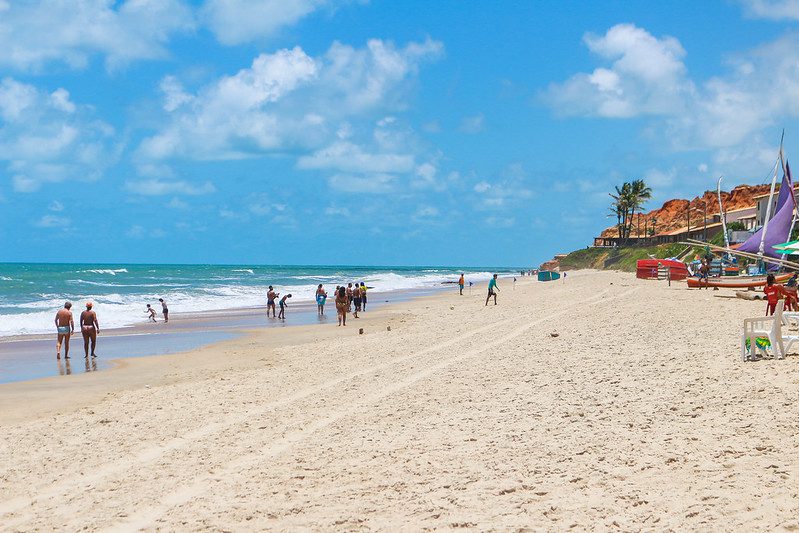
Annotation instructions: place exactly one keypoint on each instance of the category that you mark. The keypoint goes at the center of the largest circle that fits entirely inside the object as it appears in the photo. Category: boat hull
(648, 269)
(741, 282)
(548, 275)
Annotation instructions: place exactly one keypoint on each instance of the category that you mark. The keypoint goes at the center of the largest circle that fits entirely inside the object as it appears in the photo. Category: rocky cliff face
(673, 213)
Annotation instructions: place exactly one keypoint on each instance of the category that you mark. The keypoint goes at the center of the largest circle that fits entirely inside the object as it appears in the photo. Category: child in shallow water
(283, 305)
(151, 313)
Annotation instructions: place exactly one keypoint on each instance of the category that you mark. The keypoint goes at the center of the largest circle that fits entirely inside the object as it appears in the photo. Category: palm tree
(621, 206)
(639, 193)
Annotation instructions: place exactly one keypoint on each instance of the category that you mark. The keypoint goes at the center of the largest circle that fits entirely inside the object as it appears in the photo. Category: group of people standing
(349, 299)
(774, 291)
(89, 327)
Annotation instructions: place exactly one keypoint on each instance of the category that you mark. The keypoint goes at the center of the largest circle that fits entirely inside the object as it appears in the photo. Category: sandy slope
(638, 415)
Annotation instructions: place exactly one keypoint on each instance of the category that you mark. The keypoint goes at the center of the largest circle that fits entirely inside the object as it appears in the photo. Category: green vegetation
(626, 258)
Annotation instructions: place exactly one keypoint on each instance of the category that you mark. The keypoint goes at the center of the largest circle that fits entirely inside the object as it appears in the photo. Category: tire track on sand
(146, 517)
(50, 491)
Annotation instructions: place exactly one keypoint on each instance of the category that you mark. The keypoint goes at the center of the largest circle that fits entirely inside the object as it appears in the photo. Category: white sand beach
(638, 415)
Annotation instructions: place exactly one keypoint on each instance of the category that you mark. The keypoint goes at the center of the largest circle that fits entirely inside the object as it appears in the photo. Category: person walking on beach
(321, 298)
(283, 305)
(492, 289)
(89, 328)
(349, 297)
(151, 313)
(271, 296)
(461, 283)
(164, 310)
(356, 300)
(363, 296)
(65, 326)
(342, 305)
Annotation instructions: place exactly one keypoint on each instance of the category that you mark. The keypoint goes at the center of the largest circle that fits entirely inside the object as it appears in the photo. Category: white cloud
(53, 221)
(482, 187)
(772, 9)
(646, 76)
(46, 137)
(426, 211)
(33, 34)
(177, 203)
(349, 157)
(702, 167)
(369, 183)
(337, 211)
(155, 187)
(56, 206)
(239, 21)
(473, 124)
(286, 100)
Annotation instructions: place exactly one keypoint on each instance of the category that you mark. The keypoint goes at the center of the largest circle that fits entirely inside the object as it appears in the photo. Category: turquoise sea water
(30, 294)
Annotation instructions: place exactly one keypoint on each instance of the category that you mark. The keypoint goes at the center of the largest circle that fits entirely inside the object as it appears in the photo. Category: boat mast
(722, 214)
(793, 197)
(760, 248)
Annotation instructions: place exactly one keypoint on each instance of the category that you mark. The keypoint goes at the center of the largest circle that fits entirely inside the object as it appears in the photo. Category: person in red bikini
(773, 291)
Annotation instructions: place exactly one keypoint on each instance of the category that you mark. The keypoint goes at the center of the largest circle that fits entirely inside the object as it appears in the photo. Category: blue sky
(379, 132)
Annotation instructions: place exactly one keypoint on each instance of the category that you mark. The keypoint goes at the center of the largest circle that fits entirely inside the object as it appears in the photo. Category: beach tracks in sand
(149, 494)
(472, 416)
(138, 488)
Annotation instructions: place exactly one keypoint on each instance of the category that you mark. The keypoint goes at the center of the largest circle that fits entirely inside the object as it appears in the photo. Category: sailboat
(760, 245)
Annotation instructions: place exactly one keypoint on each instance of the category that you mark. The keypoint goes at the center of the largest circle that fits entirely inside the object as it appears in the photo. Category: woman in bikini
(89, 327)
(342, 305)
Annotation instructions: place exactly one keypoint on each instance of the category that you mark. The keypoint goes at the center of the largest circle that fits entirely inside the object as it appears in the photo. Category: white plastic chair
(770, 327)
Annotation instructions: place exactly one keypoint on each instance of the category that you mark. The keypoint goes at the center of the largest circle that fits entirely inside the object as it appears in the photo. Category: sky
(451, 133)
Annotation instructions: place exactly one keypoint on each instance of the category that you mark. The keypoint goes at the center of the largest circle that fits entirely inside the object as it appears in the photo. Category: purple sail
(780, 224)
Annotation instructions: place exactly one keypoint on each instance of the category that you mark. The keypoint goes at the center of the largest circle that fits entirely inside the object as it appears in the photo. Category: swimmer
(271, 296)
(283, 305)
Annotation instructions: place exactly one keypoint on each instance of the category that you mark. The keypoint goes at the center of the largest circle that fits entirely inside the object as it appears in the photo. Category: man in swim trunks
(271, 296)
(89, 327)
(65, 325)
(493, 289)
(363, 296)
(349, 296)
(164, 310)
(356, 300)
(461, 283)
(321, 298)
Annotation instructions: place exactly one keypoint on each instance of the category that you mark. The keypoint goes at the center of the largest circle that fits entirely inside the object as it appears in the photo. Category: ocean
(30, 294)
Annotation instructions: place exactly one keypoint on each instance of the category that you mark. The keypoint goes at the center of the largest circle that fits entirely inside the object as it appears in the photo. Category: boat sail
(777, 229)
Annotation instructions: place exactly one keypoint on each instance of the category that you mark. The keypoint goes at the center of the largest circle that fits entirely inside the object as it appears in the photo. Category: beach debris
(388, 328)
(554, 334)
(360, 331)
(451, 307)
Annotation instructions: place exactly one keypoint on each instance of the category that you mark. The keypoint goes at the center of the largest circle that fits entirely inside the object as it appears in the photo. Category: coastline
(602, 401)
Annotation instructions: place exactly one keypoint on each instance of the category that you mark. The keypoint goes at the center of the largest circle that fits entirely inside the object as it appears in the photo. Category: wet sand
(638, 415)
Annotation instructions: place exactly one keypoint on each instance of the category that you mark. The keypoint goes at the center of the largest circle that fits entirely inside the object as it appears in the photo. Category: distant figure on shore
(492, 289)
(164, 310)
(342, 305)
(151, 313)
(461, 283)
(772, 291)
(356, 300)
(349, 297)
(790, 290)
(321, 298)
(271, 296)
(65, 326)
(363, 295)
(704, 272)
(89, 328)
(283, 305)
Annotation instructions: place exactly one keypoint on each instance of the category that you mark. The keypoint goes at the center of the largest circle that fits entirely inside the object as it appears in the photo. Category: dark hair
(67, 305)
(770, 279)
(342, 291)
(320, 285)
(288, 295)
(160, 299)
(270, 287)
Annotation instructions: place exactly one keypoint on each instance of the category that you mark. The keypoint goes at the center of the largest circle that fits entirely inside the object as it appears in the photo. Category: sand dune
(637, 415)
